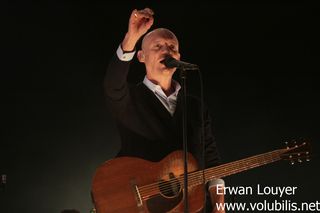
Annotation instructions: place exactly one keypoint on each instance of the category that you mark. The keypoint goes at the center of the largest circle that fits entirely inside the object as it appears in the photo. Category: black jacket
(147, 129)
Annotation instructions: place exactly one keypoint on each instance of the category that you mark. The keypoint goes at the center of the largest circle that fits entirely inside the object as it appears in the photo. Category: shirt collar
(154, 87)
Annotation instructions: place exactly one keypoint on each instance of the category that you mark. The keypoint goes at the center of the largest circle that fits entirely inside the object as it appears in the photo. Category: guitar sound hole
(170, 188)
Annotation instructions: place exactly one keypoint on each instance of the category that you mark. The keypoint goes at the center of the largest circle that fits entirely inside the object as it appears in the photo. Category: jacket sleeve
(115, 84)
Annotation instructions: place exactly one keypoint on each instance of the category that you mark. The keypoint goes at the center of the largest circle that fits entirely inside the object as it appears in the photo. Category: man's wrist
(123, 55)
(215, 182)
(129, 42)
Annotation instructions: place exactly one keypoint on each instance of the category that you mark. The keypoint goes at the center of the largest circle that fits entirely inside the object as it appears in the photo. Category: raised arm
(115, 83)
(139, 23)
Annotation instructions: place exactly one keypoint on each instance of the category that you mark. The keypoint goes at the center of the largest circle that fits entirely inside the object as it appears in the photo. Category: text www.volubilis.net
(266, 206)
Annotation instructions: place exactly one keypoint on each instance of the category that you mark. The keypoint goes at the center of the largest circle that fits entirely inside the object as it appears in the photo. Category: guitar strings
(193, 176)
(211, 172)
(196, 177)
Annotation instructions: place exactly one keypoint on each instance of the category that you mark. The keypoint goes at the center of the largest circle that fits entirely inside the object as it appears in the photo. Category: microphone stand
(183, 77)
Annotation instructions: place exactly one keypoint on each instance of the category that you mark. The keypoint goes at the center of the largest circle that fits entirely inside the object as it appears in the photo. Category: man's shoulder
(194, 98)
(193, 101)
(138, 90)
(137, 87)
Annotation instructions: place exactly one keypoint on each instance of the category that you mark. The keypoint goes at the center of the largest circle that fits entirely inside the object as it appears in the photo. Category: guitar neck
(235, 167)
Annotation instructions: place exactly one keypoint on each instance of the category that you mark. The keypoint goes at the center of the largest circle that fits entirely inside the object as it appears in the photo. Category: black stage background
(259, 63)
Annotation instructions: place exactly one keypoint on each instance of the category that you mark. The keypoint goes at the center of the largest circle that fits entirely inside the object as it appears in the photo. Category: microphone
(171, 62)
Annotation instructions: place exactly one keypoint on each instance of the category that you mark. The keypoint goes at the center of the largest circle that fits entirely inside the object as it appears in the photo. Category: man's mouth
(162, 61)
(164, 58)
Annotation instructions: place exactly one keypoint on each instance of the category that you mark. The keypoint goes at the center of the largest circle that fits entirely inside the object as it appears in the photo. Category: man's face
(155, 48)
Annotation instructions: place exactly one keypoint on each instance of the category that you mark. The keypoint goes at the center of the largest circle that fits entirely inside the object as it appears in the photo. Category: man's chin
(168, 71)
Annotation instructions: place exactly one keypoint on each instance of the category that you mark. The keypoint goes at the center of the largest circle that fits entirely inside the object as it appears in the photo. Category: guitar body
(133, 185)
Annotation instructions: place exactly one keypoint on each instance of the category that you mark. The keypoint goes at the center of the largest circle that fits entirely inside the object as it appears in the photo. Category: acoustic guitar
(133, 185)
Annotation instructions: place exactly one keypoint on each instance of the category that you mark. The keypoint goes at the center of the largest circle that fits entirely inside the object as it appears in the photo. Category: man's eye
(173, 48)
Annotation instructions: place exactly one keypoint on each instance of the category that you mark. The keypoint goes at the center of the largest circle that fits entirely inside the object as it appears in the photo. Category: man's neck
(165, 83)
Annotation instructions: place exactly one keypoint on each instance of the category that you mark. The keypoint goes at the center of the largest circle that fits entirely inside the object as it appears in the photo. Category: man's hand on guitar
(217, 200)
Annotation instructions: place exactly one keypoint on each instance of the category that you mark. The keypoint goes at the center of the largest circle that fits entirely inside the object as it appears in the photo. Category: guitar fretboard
(196, 178)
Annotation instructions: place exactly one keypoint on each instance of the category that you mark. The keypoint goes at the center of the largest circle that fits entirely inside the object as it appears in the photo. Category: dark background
(259, 62)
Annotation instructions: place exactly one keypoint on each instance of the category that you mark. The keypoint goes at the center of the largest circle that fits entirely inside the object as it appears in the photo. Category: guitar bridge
(137, 195)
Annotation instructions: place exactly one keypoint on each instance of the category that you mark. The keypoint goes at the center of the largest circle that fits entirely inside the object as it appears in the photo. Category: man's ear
(140, 56)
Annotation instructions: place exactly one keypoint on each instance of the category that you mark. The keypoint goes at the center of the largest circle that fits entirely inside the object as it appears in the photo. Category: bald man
(149, 114)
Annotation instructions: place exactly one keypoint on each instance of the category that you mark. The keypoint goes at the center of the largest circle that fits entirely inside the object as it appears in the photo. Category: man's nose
(166, 49)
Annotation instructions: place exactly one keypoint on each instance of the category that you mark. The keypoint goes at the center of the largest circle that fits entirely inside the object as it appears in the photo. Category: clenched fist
(139, 23)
